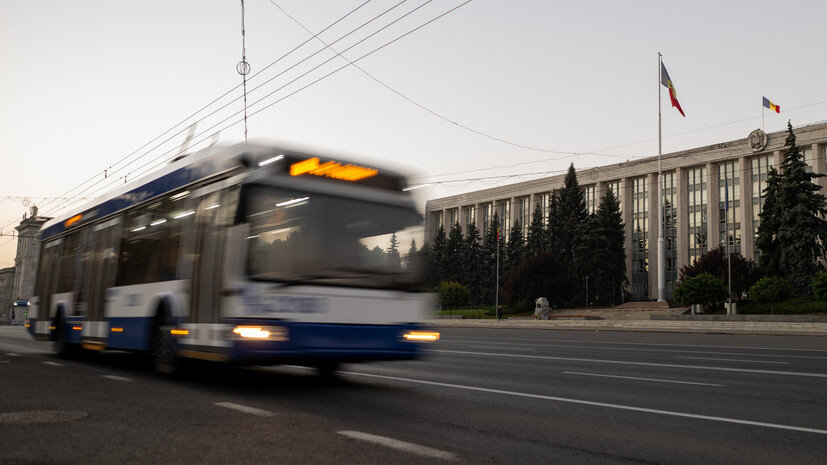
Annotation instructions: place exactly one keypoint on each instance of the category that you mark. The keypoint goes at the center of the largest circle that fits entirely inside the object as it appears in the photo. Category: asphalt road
(482, 396)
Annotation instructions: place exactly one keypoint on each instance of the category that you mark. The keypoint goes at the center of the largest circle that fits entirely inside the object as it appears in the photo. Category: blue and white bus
(246, 254)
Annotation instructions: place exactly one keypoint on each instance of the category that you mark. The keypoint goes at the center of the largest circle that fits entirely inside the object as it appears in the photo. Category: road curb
(649, 326)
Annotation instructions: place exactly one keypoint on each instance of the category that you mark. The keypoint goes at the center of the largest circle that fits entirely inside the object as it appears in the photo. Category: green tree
(471, 262)
(771, 289)
(488, 269)
(744, 271)
(452, 294)
(554, 225)
(514, 248)
(795, 224)
(437, 259)
(453, 255)
(535, 240)
(572, 214)
(610, 277)
(702, 289)
(769, 259)
(589, 250)
(392, 253)
(819, 286)
(542, 276)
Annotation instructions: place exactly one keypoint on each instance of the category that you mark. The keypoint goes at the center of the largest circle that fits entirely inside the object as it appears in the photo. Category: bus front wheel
(165, 349)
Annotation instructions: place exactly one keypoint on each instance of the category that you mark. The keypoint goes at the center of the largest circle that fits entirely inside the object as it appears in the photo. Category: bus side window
(68, 263)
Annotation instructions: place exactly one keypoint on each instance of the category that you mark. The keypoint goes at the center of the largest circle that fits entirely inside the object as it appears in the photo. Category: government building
(697, 185)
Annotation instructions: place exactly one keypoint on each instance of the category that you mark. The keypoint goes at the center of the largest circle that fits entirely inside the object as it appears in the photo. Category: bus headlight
(421, 336)
(261, 333)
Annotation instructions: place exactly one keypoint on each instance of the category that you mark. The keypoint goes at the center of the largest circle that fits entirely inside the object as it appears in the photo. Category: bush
(542, 276)
(772, 289)
(452, 294)
(794, 306)
(819, 285)
(701, 289)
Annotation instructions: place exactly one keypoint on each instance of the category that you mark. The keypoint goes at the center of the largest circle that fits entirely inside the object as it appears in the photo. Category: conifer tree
(589, 247)
(553, 225)
(610, 276)
(572, 212)
(769, 260)
(798, 221)
(411, 257)
(392, 253)
(436, 262)
(514, 248)
(535, 241)
(488, 261)
(453, 255)
(471, 261)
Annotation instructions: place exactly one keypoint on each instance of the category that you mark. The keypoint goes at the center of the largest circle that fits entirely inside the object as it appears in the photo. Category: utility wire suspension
(243, 68)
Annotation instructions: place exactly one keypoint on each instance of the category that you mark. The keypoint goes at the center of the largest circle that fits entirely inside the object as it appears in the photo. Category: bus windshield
(308, 237)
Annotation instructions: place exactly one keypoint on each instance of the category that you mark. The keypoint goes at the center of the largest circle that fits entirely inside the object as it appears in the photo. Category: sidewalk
(645, 325)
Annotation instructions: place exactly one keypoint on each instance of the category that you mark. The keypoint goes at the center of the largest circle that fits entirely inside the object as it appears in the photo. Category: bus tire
(62, 347)
(164, 348)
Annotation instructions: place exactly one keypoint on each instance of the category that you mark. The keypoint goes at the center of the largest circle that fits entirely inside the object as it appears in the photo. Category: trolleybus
(249, 254)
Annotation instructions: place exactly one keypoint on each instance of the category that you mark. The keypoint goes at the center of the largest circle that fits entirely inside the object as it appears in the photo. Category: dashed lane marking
(643, 364)
(598, 404)
(733, 360)
(400, 445)
(243, 408)
(54, 364)
(117, 378)
(641, 379)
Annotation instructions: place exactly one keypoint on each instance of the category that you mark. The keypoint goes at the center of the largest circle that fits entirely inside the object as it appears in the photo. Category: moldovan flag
(771, 105)
(673, 95)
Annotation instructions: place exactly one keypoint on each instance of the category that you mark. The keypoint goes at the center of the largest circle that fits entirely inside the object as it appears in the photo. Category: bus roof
(187, 170)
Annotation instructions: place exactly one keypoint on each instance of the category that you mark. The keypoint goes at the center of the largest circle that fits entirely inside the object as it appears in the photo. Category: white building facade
(696, 186)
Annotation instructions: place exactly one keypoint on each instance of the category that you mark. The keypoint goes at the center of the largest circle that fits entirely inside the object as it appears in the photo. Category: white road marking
(501, 348)
(246, 409)
(568, 346)
(641, 379)
(400, 445)
(13, 355)
(647, 364)
(448, 338)
(54, 364)
(599, 404)
(117, 378)
(733, 360)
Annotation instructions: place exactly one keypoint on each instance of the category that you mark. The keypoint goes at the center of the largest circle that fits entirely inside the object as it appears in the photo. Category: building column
(820, 164)
(653, 224)
(747, 245)
(682, 220)
(626, 213)
(712, 219)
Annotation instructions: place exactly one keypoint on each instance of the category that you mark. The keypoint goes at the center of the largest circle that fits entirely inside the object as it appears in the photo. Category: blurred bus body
(247, 254)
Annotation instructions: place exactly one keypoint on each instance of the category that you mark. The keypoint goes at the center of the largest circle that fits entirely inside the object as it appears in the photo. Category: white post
(661, 250)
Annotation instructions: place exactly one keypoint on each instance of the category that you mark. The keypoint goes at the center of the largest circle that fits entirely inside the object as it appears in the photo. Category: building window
(436, 217)
(453, 218)
(760, 168)
(807, 155)
(487, 214)
(670, 231)
(545, 200)
(590, 196)
(729, 201)
(640, 239)
(470, 216)
(614, 186)
(696, 221)
(524, 213)
(504, 214)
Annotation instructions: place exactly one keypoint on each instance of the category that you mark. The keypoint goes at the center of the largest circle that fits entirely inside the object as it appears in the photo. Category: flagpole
(762, 117)
(497, 288)
(661, 250)
(726, 228)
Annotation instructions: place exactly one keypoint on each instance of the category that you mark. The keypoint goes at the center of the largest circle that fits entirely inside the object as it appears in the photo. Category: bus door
(99, 267)
(206, 272)
(47, 269)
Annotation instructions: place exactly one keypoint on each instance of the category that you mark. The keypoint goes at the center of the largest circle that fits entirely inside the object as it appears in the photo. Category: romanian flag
(771, 105)
(673, 95)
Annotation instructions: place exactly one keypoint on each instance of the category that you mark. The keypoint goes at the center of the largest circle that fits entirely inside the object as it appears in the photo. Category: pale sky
(87, 83)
